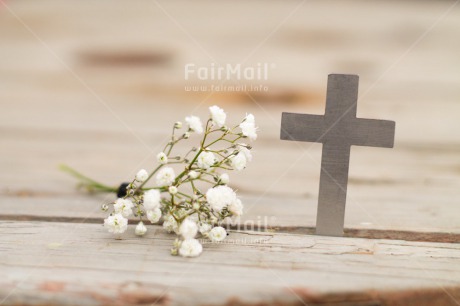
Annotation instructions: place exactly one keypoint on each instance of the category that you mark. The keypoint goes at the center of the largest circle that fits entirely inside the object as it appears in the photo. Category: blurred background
(98, 84)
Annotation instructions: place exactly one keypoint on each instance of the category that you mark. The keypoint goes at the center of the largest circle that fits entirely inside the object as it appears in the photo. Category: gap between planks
(306, 230)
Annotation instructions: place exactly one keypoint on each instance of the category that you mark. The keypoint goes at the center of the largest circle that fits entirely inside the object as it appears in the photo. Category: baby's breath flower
(177, 243)
(154, 215)
(238, 162)
(152, 199)
(172, 189)
(123, 207)
(190, 248)
(248, 127)
(162, 158)
(140, 229)
(218, 115)
(217, 234)
(219, 197)
(194, 124)
(247, 153)
(116, 224)
(170, 224)
(188, 229)
(206, 160)
(189, 212)
(142, 175)
(180, 213)
(250, 119)
(213, 220)
(165, 177)
(193, 174)
(227, 220)
(224, 178)
(204, 228)
(236, 207)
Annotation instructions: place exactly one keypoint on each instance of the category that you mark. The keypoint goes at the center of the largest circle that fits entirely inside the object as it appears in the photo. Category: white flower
(170, 224)
(172, 189)
(218, 115)
(165, 176)
(154, 215)
(224, 178)
(243, 149)
(116, 224)
(228, 220)
(178, 125)
(123, 207)
(142, 175)
(204, 228)
(206, 160)
(140, 229)
(220, 196)
(152, 199)
(194, 123)
(250, 119)
(193, 174)
(248, 127)
(238, 161)
(236, 207)
(190, 248)
(188, 229)
(162, 158)
(217, 234)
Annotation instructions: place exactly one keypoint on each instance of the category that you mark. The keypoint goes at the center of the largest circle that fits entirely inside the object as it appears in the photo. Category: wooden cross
(337, 130)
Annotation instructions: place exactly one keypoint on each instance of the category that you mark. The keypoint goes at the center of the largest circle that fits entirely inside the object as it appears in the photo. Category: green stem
(189, 166)
(185, 195)
(205, 133)
(86, 181)
(205, 180)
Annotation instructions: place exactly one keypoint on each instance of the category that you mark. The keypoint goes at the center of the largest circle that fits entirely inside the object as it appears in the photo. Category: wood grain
(97, 85)
(252, 267)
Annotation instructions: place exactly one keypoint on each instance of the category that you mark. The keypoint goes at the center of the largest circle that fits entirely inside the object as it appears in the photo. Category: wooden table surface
(97, 85)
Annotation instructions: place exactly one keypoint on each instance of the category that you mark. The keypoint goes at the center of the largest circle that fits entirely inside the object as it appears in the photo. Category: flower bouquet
(194, 200)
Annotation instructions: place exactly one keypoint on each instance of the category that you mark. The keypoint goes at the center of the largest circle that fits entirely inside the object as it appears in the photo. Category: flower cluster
(195, 200)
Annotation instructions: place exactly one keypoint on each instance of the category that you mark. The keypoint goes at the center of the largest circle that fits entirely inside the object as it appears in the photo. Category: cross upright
(337, 130)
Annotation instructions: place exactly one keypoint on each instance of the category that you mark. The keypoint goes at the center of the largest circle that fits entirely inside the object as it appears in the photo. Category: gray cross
(338, 129)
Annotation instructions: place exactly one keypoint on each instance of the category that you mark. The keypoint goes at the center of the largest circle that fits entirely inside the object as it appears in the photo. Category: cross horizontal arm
(373, 133)
(302, 127)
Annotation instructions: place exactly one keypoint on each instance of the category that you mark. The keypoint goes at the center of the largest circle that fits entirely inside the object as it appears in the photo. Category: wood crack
(348, 232)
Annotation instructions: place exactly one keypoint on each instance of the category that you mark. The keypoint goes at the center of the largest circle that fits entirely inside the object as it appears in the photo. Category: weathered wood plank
(47, 117)
(273, 212)
(285, 197)
(58, 262)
